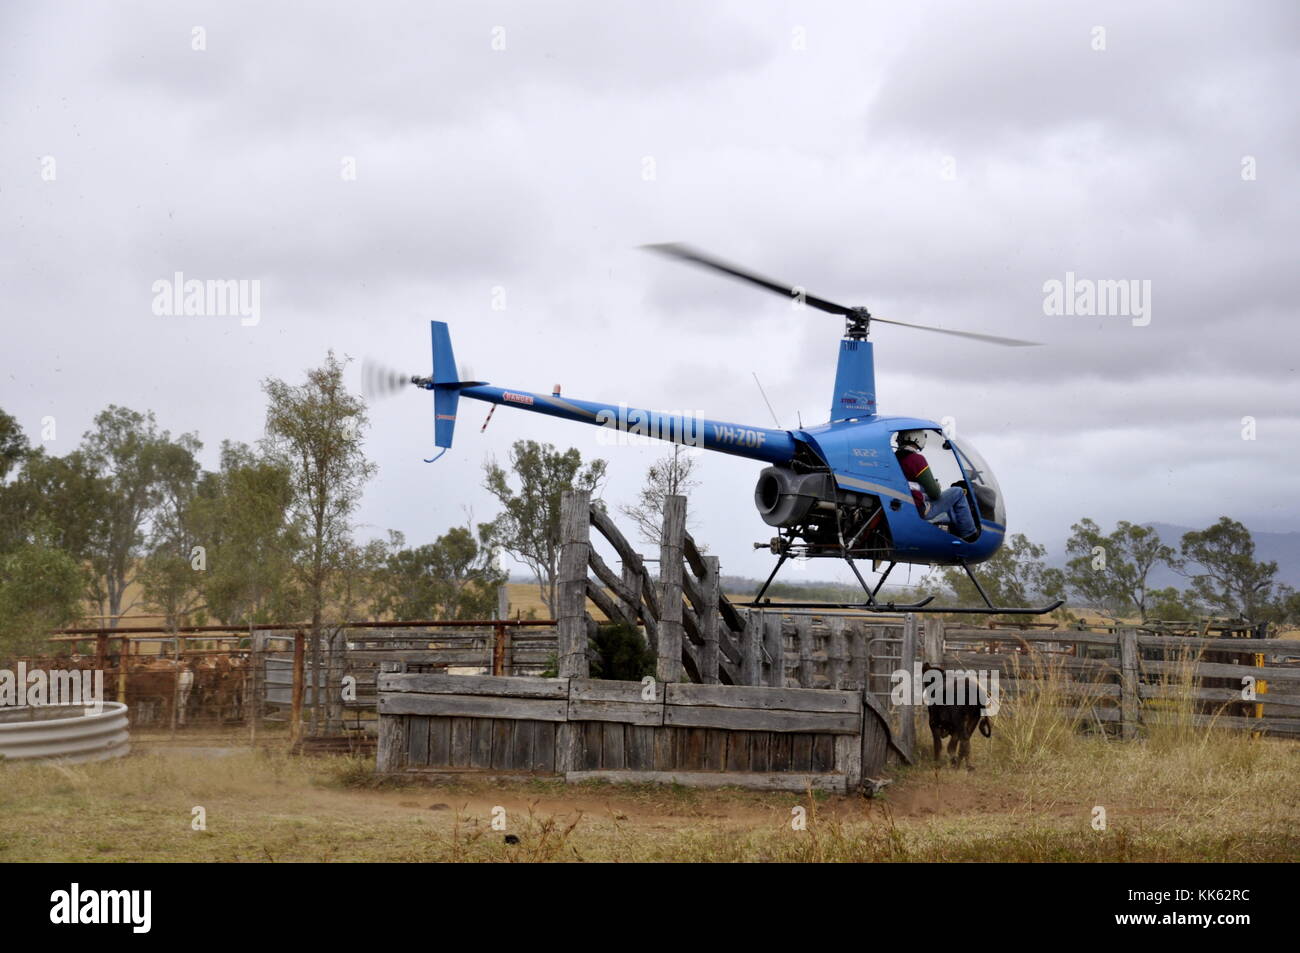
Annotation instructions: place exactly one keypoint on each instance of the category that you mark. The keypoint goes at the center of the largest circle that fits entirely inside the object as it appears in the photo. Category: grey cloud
(524, 169)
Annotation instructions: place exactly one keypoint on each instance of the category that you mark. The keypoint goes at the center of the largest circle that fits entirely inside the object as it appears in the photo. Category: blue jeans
(953, 505)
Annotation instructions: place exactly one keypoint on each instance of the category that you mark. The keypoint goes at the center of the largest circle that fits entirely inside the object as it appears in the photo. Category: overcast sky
(938, 163)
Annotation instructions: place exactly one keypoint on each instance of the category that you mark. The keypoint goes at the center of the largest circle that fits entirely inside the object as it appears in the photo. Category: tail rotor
(379, 381)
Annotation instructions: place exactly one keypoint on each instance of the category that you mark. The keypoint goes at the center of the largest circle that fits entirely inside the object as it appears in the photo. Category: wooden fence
(720, 709)
(782, 699)
(520, 648)
(217, 675)
(1129, 678)
(1122, 678)
(584, 729)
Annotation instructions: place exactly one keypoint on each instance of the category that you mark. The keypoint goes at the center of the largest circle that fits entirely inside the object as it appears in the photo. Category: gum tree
(315, 430)
(671, 475)
(124, 465)
(528, 527)
(1110, 571)
(1229, 579)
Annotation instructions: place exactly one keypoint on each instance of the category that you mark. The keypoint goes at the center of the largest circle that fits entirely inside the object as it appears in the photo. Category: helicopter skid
(863, 606)
(871, 605)
(923, 606)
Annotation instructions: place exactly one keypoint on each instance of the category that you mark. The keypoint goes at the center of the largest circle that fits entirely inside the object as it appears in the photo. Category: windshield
(982, 482)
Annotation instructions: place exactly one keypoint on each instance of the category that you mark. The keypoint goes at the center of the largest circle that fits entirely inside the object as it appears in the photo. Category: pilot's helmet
(913, 439)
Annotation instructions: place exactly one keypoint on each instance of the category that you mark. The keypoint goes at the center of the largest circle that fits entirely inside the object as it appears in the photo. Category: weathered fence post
(632, 581)
(1129, 701)
(254, 690)
(671, 630)
(774, 642)
(836, 653)
(710, 620)
(123, 661)
(751, 649)
(907, 713)
(393, 730)
(499, 643)
(299, 676)
(176, 684)
(333, 673)
(804, 635)
(315, 678)
(571, 617)
(860, 635)
(934, 641)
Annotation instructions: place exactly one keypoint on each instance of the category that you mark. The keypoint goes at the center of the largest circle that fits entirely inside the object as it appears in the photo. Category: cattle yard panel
(584, 729)
(529, 649)
(187, 687)
(1126, 677)
(842, 650)
(218, 676)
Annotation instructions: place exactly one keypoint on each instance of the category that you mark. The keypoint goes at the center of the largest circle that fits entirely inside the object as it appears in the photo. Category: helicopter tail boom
(631, 425)
(621, 424)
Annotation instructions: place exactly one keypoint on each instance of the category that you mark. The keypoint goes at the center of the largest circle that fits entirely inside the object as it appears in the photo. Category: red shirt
(914, 465)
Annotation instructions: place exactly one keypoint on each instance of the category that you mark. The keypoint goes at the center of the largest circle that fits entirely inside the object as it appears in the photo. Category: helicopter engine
(809, 507)
(786, 498)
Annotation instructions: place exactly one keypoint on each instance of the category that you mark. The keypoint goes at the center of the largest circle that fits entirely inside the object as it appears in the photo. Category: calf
(957, 720)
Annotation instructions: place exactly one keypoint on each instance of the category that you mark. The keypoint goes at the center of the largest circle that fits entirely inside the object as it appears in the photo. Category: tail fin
(446, 393)
(446, 388)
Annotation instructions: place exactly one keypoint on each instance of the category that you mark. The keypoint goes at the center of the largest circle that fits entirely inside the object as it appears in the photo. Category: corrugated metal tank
(67, 732)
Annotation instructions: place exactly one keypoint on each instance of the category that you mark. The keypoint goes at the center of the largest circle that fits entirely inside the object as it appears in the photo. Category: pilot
(946, 506)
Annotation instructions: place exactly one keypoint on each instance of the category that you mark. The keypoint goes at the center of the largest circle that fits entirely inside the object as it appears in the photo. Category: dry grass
(1182, 792)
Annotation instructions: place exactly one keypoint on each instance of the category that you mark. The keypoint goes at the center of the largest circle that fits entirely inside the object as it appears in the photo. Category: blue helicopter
(836, 490)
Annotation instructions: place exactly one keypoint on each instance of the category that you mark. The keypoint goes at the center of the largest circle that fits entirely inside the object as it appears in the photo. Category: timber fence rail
(1129, 678)
(582, 729)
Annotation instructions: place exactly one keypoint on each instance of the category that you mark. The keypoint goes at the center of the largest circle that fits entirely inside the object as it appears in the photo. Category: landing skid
(993, 610)
(872, 605)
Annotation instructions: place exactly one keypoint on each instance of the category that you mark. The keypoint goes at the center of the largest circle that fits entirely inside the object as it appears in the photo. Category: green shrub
(619, 652)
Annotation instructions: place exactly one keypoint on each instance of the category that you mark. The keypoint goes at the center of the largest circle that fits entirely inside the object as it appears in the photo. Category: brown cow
(152, 685)
(219, 686)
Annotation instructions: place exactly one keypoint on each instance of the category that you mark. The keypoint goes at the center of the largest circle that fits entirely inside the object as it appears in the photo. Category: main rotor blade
(687, 253)
(694, 256)
(986, 338)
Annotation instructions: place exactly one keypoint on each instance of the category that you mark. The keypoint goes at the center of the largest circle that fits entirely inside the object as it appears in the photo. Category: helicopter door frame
(972, 500)
(947, 447)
